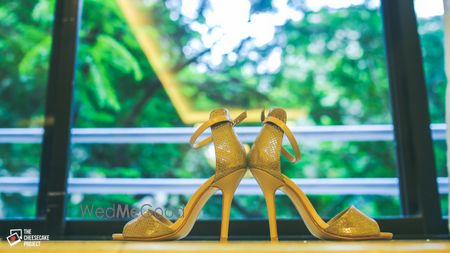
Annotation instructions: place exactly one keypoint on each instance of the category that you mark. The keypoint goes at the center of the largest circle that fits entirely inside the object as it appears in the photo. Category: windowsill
(235, 246)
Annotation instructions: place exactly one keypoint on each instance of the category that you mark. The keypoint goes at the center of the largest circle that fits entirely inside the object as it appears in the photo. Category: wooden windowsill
(235, 246)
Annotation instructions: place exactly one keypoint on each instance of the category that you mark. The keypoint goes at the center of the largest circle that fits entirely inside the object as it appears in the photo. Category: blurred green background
(328, 61)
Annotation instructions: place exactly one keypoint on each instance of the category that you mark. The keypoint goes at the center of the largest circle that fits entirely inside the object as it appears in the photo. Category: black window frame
(409, 107)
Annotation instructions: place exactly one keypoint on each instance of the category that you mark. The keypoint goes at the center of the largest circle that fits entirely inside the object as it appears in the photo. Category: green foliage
(25, 49)
(432, 36)
(332, 65)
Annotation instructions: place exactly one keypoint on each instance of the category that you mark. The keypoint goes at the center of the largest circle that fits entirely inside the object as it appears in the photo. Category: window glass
(430, 19)
(161, 66)
(25, 42)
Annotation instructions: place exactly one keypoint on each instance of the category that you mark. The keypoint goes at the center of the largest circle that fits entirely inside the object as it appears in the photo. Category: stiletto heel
(228, 186)
(231, 165)
(269, 186)
(227, 198)
(272, 215)
(264, 163)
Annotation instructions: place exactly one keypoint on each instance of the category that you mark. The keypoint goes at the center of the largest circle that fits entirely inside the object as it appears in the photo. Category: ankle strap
(297, 154)
(209, 123)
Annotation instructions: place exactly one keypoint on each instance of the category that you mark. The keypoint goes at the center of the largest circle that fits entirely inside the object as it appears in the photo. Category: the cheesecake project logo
(14, 237)
(28, 239)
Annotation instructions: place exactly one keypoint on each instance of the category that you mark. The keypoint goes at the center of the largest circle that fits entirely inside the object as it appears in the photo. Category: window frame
(409, 109)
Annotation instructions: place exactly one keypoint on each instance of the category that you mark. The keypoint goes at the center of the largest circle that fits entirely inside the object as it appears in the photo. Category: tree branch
(139, 106)
(184, 64)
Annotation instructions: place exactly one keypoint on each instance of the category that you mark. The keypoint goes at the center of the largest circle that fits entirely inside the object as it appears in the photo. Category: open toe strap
(353, 223)
(148, 224)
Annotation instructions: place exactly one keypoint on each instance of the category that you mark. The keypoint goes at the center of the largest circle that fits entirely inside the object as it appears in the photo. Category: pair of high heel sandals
(264, 163)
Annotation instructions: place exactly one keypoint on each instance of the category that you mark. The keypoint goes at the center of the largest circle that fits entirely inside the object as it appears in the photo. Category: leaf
(103, 88)
(27, 65)
(121, 58)
(43, 10)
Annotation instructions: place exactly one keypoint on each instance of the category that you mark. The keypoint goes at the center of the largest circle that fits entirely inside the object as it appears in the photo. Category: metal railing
(182, 134)
(366, 186)
(248, 186)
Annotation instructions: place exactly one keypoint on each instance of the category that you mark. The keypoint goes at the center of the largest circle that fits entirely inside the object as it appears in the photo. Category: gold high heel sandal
(231, 166)
(264, 163)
